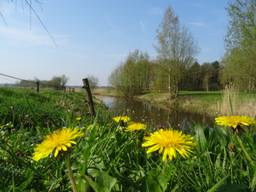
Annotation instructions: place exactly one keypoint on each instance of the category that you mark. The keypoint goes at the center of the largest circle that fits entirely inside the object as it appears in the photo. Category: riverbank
(211, 102)
(196, 101)
(105, 91)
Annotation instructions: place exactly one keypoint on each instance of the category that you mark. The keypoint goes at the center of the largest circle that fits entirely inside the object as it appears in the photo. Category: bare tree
(176, 49)
(63, 81)
(93, 81)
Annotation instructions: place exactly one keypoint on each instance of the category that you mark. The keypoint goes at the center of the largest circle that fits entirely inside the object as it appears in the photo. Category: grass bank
(106, 91)
(26, 108)
(200, 101)
(197, 101)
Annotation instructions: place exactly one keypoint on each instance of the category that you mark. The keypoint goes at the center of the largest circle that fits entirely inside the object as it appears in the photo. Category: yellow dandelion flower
(134, 126)
(120, 119)
(58, 141)
(234, 121)
(169, 143)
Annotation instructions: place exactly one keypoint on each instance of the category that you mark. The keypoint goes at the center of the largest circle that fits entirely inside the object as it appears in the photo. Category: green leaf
(158, 180)
(103, 183)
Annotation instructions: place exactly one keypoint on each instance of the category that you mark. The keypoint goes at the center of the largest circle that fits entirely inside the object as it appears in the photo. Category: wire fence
(13, 77)
(14, 81)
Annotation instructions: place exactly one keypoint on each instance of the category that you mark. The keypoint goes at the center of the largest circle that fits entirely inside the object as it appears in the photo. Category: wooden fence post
(37, 86)
(89, 94)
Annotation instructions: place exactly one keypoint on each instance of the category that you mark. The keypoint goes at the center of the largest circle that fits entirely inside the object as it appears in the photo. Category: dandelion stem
(70, 174)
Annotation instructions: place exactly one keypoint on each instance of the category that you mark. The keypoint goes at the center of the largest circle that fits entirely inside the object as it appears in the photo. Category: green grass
(109, 159)
(200, 93)
(202, 96)
(26, 117)
(25, 108)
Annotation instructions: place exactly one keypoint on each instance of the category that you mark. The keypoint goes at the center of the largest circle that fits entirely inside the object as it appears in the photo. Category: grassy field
(26, 108)
(107, 157)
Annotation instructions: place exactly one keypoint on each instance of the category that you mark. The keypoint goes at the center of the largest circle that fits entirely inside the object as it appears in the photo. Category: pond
(154, 116)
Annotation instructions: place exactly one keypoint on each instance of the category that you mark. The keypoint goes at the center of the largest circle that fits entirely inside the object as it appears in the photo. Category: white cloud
(31, 37)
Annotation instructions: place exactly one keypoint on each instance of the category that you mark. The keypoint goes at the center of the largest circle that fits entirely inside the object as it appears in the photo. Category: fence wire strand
(16, 78)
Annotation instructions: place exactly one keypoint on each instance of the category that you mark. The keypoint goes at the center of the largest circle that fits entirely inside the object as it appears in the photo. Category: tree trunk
(172, 88)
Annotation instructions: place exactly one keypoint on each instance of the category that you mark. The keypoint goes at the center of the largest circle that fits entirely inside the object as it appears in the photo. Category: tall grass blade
(218, 185)
(253, 182)
(200, 137)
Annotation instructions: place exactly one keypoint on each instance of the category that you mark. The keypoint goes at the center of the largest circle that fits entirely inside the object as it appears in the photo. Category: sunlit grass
(110, 158)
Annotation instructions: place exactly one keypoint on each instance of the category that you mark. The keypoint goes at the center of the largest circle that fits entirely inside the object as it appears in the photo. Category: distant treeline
(138, 74)
(202, 77)
(57, 82)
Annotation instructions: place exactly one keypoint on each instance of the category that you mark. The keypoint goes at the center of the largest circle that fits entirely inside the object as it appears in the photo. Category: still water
(153, 116)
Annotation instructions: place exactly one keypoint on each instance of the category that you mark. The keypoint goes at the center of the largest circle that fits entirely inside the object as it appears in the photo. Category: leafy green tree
(192, 79)
(195, 76)
(239, 61)
(133, 76)
(215, 80)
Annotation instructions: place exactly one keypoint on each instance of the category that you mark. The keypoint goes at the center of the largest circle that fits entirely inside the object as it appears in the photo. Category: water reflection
(154, 116)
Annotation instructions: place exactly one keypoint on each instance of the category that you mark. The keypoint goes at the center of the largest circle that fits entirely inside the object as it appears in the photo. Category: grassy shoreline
(211, 102)
(106, 91)
(195, 101)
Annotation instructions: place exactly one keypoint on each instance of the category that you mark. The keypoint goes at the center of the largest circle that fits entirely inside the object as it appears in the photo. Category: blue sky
(94, 36)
